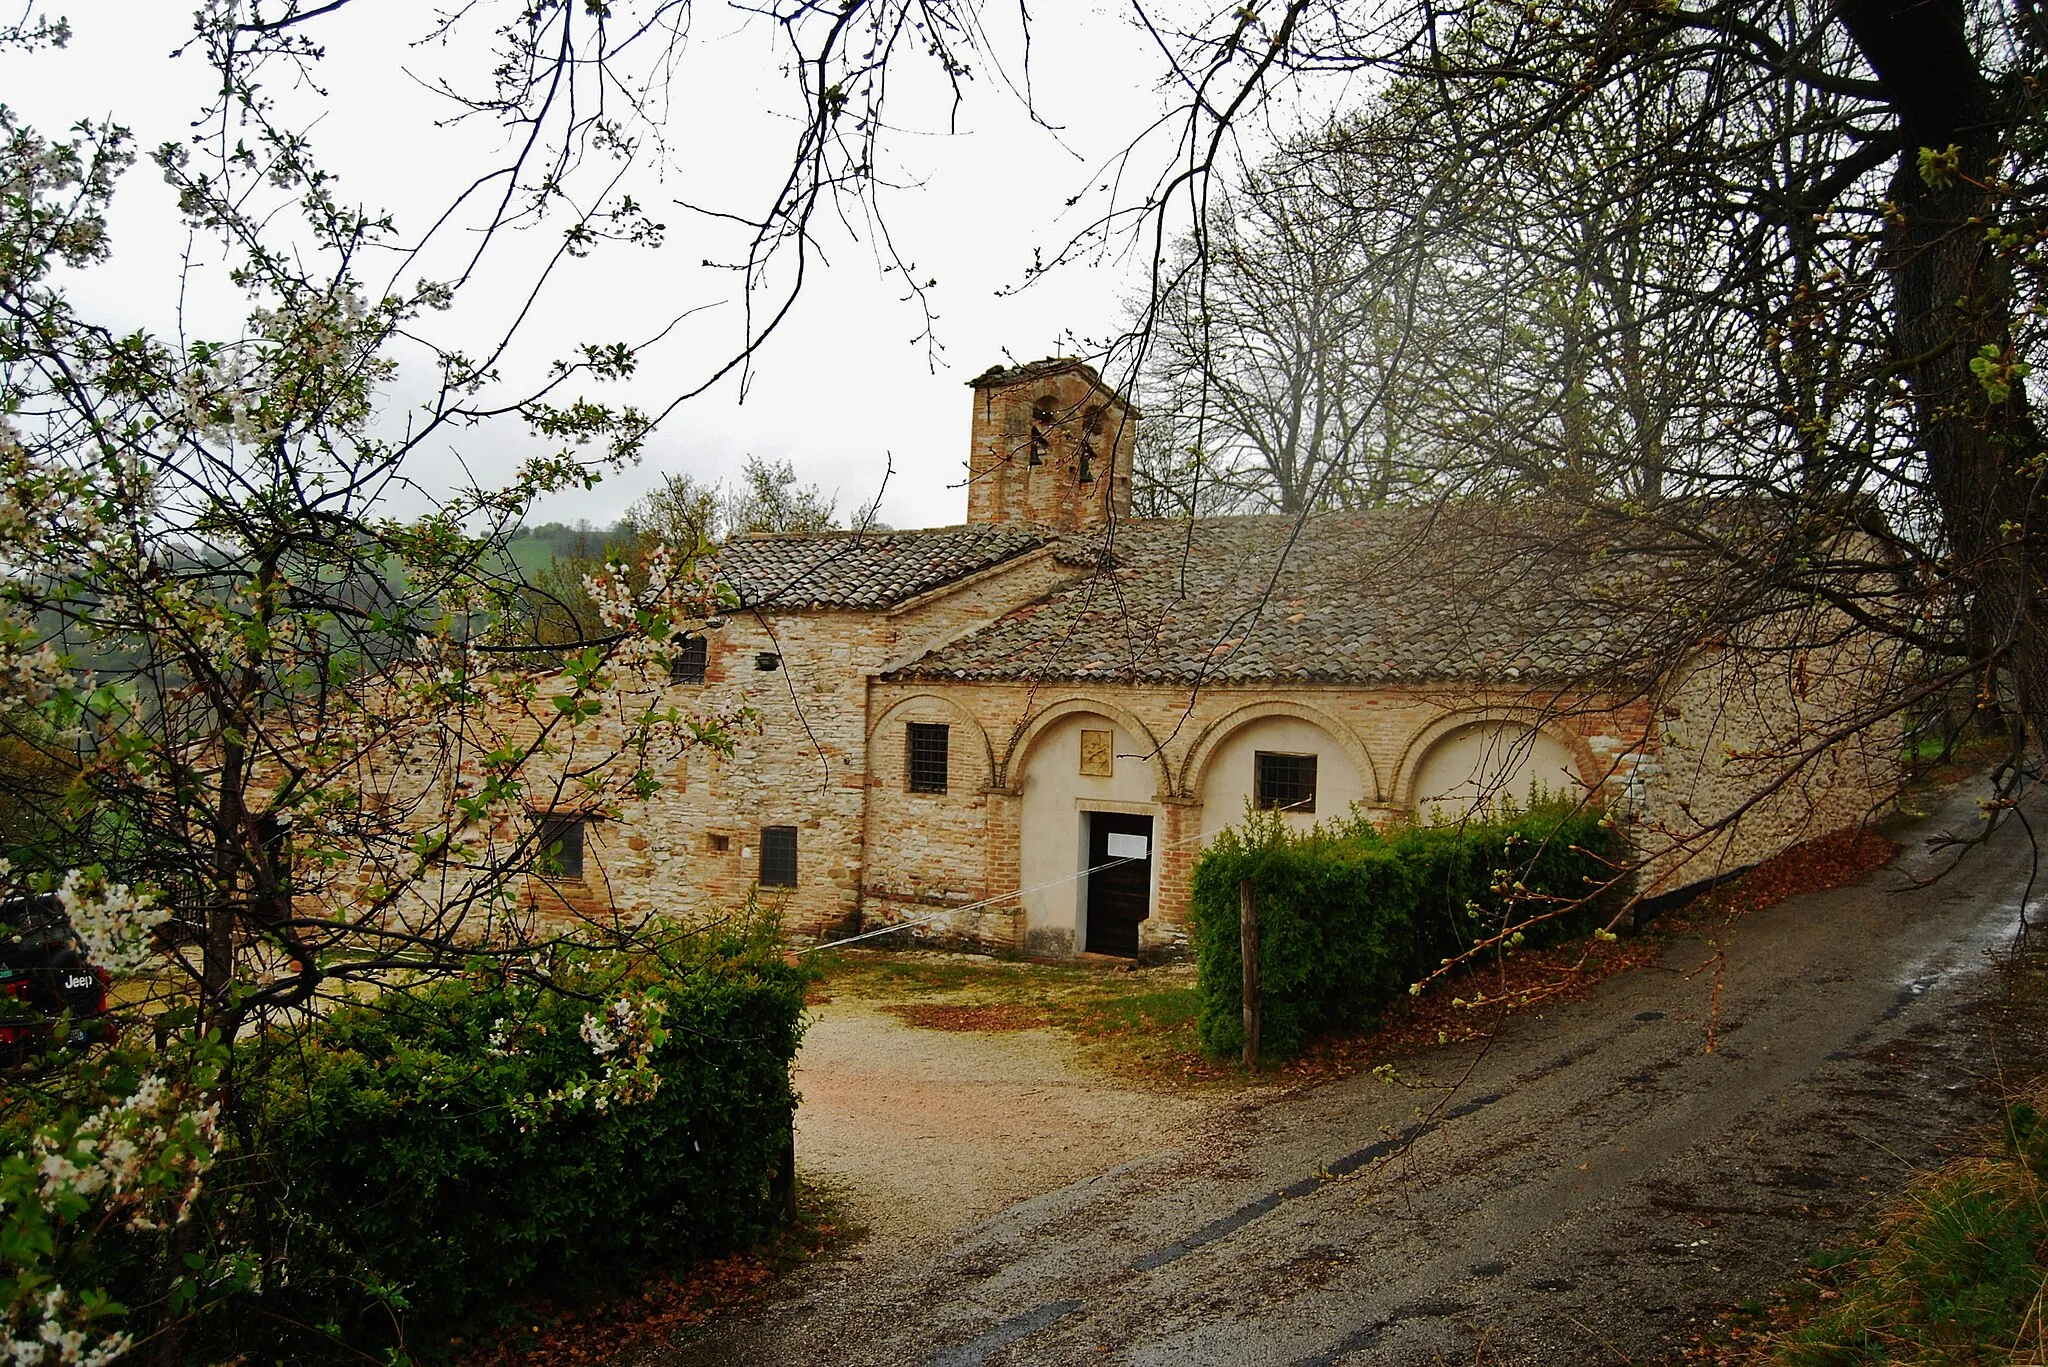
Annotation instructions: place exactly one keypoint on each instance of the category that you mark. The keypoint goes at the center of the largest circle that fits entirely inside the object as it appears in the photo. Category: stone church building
(1019, 732)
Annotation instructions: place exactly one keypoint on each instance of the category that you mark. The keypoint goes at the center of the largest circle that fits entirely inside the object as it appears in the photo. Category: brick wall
(1032, 439)
(1620, 745)
(824, 751)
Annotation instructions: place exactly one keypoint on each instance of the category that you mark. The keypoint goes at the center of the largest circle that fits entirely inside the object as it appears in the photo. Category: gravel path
(1589, 1189)
(922, 1132)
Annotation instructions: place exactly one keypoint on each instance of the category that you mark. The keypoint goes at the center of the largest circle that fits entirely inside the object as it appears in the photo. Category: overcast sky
(843, 388)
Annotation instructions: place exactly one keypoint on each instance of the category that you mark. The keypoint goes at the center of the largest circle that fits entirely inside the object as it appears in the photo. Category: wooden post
(1248, 950)
(782, 1186)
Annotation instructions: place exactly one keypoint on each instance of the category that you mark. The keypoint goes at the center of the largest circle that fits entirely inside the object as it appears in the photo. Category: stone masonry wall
(692, 849)
(1691, 751)
(1748, 735)
(827, 754)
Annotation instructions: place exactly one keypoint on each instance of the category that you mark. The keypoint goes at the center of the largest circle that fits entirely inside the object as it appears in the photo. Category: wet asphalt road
(1591, 1188)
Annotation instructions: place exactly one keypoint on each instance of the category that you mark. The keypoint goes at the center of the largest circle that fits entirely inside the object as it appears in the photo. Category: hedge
(446, 1152)
(1350, 916)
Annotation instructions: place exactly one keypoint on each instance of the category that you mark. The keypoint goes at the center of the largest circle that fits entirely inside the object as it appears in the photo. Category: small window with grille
(1285, 782)
(928, 757)
(686, 666)
(778, 856)
(561, 847)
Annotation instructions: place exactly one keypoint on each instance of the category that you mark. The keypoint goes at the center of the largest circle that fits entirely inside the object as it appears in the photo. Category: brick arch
(1028, 731)
(1402, 796)
(985, 752)
(1223, 728)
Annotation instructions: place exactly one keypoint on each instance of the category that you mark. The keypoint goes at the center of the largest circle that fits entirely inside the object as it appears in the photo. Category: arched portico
(1510, 749)
(1029, 733)
(1277, 752)
(1089, 821)
(1195, 770)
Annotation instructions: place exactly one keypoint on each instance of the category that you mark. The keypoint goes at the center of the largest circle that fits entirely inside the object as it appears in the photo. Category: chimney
(1052, 447)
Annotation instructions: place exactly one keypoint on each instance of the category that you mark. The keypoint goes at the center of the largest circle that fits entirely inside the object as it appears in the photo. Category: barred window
(686, 666)
(561, 846)
(1287, 782)
(778, 856)
(928, 757)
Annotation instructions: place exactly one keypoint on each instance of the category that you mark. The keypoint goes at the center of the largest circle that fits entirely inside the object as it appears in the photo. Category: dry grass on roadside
(1141, 1024)
(1830, 861)
(1956, 1274)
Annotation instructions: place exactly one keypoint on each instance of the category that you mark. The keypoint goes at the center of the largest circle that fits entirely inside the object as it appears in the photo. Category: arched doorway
(1088, 826)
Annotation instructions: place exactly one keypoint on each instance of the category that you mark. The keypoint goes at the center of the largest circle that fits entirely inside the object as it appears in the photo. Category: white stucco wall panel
(1476, 764)
(1227, 782)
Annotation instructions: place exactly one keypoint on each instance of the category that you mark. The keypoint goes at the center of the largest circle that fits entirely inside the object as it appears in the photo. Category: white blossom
(112, 920)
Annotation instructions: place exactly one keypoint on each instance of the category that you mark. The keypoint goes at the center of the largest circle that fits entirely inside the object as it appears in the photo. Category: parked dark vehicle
(46, 982)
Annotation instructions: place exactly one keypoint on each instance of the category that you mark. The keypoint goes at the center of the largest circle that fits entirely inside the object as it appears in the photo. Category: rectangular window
(927, 757)
(1287, 782)
(561, 846)
(778, 856)
(686, 666)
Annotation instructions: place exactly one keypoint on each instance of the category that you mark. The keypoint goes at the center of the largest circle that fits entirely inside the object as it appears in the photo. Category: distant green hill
(533, 548)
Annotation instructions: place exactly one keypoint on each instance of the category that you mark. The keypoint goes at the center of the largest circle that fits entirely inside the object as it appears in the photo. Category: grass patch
(1138, 1023)
(1955, 1275)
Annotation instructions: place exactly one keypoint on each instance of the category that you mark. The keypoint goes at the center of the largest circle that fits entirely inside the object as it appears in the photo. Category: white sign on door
(1129, 846)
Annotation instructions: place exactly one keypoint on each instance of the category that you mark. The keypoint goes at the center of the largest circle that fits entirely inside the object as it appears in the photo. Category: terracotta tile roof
(1406, 595)
(863, 570)
(997, 375)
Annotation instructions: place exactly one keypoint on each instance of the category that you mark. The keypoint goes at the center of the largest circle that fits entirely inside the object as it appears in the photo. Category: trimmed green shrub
(1350, 916)
(446, 1152)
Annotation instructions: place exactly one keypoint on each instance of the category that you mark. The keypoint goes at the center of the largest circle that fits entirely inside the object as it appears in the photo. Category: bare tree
(1280, 328)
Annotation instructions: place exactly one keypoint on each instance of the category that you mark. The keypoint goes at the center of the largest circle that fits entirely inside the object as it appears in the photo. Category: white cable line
(973, 906)
(1003, 896)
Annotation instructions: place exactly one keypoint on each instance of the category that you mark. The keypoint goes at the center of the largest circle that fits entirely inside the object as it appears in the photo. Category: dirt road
(920, 1132)
(1582, 1191)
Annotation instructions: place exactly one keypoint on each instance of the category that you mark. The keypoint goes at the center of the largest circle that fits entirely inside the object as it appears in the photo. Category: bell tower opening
(1052, 447)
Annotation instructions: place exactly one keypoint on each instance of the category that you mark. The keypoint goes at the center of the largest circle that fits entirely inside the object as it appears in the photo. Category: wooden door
(1119, 896)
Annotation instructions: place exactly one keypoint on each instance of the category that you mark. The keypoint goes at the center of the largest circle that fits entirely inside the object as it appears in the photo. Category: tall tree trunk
(1951, 297)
